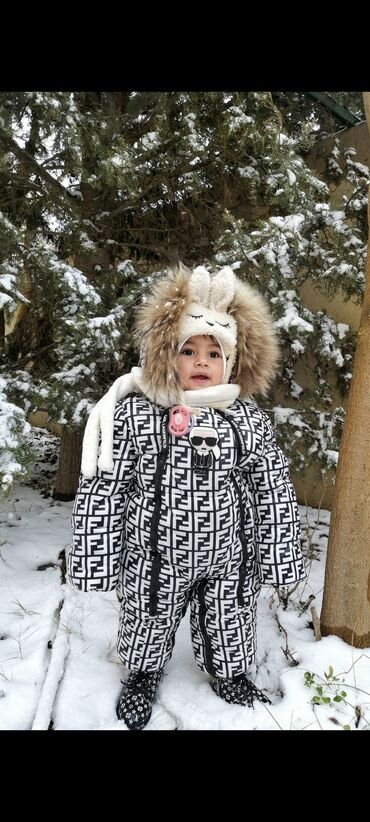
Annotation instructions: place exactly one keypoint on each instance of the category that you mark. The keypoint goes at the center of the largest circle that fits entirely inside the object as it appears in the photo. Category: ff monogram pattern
(168, 533)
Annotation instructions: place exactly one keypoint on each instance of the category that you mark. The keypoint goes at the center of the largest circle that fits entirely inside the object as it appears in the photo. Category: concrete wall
(40, 420)
(357, 137)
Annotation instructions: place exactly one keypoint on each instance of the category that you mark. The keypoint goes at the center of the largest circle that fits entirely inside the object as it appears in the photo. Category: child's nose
(201, 359)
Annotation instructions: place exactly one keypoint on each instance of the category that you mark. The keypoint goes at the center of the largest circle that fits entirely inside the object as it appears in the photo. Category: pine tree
(103, 190)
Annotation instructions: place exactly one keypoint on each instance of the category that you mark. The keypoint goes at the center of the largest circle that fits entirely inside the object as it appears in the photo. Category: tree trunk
(346, 601)
(68, 465)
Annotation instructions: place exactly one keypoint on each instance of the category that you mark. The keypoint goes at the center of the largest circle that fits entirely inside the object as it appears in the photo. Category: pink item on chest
(179, 422)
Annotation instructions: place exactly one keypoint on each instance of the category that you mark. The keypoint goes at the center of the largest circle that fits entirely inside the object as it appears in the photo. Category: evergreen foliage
(101, 191)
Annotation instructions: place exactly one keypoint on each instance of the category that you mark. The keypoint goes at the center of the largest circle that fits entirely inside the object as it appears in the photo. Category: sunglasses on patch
(208, 440)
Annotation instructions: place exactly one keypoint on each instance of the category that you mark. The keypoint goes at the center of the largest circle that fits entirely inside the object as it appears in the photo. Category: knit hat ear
(199, 285)
(222, 289)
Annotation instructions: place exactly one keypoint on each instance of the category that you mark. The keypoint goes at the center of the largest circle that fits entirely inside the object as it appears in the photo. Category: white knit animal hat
(207, 313)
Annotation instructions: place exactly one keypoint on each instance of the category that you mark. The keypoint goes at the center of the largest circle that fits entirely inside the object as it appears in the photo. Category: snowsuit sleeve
(98, 514)
(276, 515)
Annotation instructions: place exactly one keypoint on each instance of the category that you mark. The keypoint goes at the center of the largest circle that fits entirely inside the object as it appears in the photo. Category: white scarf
(101, 419)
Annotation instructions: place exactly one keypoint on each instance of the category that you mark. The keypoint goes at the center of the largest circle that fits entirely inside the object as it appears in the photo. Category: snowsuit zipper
(244, 542)
(240, 450)
(156, 557)
(208, 659)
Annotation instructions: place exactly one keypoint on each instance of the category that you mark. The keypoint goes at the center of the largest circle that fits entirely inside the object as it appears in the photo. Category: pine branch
(29, 162)
(154, 183)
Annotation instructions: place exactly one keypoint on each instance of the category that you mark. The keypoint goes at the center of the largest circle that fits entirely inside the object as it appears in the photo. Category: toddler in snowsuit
(189, 501)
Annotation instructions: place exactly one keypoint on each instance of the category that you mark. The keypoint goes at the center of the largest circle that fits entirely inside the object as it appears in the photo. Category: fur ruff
(157, 332)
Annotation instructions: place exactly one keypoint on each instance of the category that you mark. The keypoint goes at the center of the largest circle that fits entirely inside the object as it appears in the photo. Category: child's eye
(214, 354)
(187, 351)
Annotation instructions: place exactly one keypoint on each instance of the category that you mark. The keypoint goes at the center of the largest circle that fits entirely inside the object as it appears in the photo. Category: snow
(292, 223)
(297, 347)
(76, 281)
(98, 322)
(72, 373)
(239, 118)
(342, 330)
(331, 456)
(295, 389)
(292, 318)
(248, 172)
(360, 166)
(150, 139)
(82, 408)
(7, 281)
(5, 299)
(282, 415)
(13, 425)
(59, 666)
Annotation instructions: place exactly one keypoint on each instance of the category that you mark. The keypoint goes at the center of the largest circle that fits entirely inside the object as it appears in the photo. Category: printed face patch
(204, 440)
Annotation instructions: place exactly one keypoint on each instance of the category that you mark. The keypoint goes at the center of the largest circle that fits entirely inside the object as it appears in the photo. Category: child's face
(200, 363)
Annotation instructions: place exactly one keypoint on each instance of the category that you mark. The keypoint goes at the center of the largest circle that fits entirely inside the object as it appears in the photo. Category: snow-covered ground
(59, 666)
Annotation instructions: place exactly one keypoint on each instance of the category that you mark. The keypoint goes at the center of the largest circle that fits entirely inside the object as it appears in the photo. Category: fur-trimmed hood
(181, 305)
(186, 303)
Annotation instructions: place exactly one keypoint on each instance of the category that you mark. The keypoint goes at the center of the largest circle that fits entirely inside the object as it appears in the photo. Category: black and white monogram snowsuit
(200, 519)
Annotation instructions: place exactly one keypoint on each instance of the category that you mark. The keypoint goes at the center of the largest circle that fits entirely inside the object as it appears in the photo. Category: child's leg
(223, 629)
(145, 640)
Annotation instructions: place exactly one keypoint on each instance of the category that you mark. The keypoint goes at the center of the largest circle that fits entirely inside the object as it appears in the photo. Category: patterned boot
(136, 700)
(239, 691)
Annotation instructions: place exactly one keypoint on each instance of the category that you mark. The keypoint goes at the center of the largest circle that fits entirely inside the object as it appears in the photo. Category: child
(192, 501)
